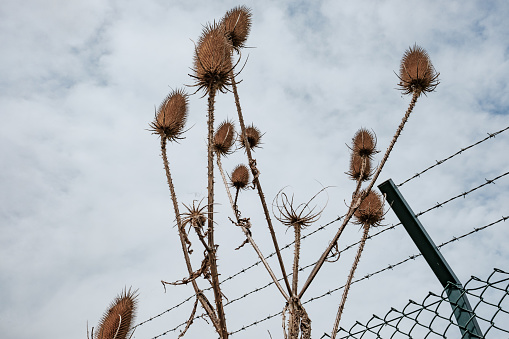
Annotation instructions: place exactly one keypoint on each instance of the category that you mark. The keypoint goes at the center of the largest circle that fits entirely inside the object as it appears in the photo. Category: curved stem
(247, 232)
(256, 181)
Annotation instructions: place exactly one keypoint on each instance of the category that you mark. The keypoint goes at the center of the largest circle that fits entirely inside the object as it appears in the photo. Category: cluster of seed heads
(363, 148)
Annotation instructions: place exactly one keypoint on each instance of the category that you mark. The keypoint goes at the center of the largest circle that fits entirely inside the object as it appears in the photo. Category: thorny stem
(247, 232)
(199, 294)
(296, 259)
(360, 198)
(349, 281)
(256, 181)
(210, 207)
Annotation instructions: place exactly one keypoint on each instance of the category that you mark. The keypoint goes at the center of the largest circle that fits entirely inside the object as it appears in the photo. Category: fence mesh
(434, 318)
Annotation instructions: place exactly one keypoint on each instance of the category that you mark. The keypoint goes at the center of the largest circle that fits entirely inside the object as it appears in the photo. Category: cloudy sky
(84, 205)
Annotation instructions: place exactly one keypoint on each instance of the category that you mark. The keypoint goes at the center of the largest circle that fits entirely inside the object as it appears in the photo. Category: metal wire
(244, 270)
(389, 267)
(433, 317)
(464, 194)
(440, 162)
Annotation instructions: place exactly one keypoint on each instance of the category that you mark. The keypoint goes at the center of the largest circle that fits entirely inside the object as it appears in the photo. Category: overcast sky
(84, 205)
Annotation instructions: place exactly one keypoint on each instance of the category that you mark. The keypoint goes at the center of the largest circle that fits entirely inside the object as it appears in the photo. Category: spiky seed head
(356, 171)
(195, 215)
(240, 177)
(119, 316)
(253, 137)
(237, 24)
(212, 59)
(171, 116)
(224, 138)
(364, 143)
(416, 72)
(370, 212)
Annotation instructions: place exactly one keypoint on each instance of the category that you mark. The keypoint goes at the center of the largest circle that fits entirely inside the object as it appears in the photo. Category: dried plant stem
(349, 281)
(296, 254)
(190, 320)
(355, 204)
(393, 141)
(294, 321)
(199, 294)
(218, 296)
(247, 232)
(256, 181)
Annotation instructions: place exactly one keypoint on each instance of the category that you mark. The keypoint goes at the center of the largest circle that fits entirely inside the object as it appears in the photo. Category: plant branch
(205, 303)
(349, 281)
(210, 207)
(256, 181)
(247, 232)
(355, 204)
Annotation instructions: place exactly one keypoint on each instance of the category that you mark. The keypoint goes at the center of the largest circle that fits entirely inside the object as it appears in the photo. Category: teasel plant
(417, 76)
(117, 321)
(212, 70)
(296, 217)
(237, 24)
(369, 214)
(168, 124)
(224, 138)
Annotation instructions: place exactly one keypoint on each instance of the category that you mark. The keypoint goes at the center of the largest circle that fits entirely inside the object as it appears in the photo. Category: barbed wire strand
(464, 194)
(367, 276)
(439, 162)
(389, 267)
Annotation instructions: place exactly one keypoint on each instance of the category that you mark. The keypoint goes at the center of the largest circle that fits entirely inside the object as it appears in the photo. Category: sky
(84, 206)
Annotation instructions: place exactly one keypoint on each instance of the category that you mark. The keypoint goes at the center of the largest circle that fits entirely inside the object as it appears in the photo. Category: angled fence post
(457, 298)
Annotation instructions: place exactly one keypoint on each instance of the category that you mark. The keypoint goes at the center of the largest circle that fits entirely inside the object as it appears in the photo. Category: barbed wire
(439, 162)
(389, 267)
(464, 194)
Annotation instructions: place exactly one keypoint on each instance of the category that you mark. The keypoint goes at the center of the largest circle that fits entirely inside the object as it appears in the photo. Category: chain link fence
(434, 316)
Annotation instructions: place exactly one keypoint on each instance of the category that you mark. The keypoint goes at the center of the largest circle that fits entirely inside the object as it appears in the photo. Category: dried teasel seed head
(356, 171)
(370, 212)
(237, 24)
(117, 320)
(253, 137)
(416, 72)
(364, 143)
(212, 59)
(195, 215)
(240, 177)
(224, 138)
(171, 116)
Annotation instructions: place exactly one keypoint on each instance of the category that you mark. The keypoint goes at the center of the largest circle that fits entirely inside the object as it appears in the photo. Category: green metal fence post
(461, 307)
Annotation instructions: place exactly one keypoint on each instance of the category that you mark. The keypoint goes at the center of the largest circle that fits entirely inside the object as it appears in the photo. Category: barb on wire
(439, 162)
